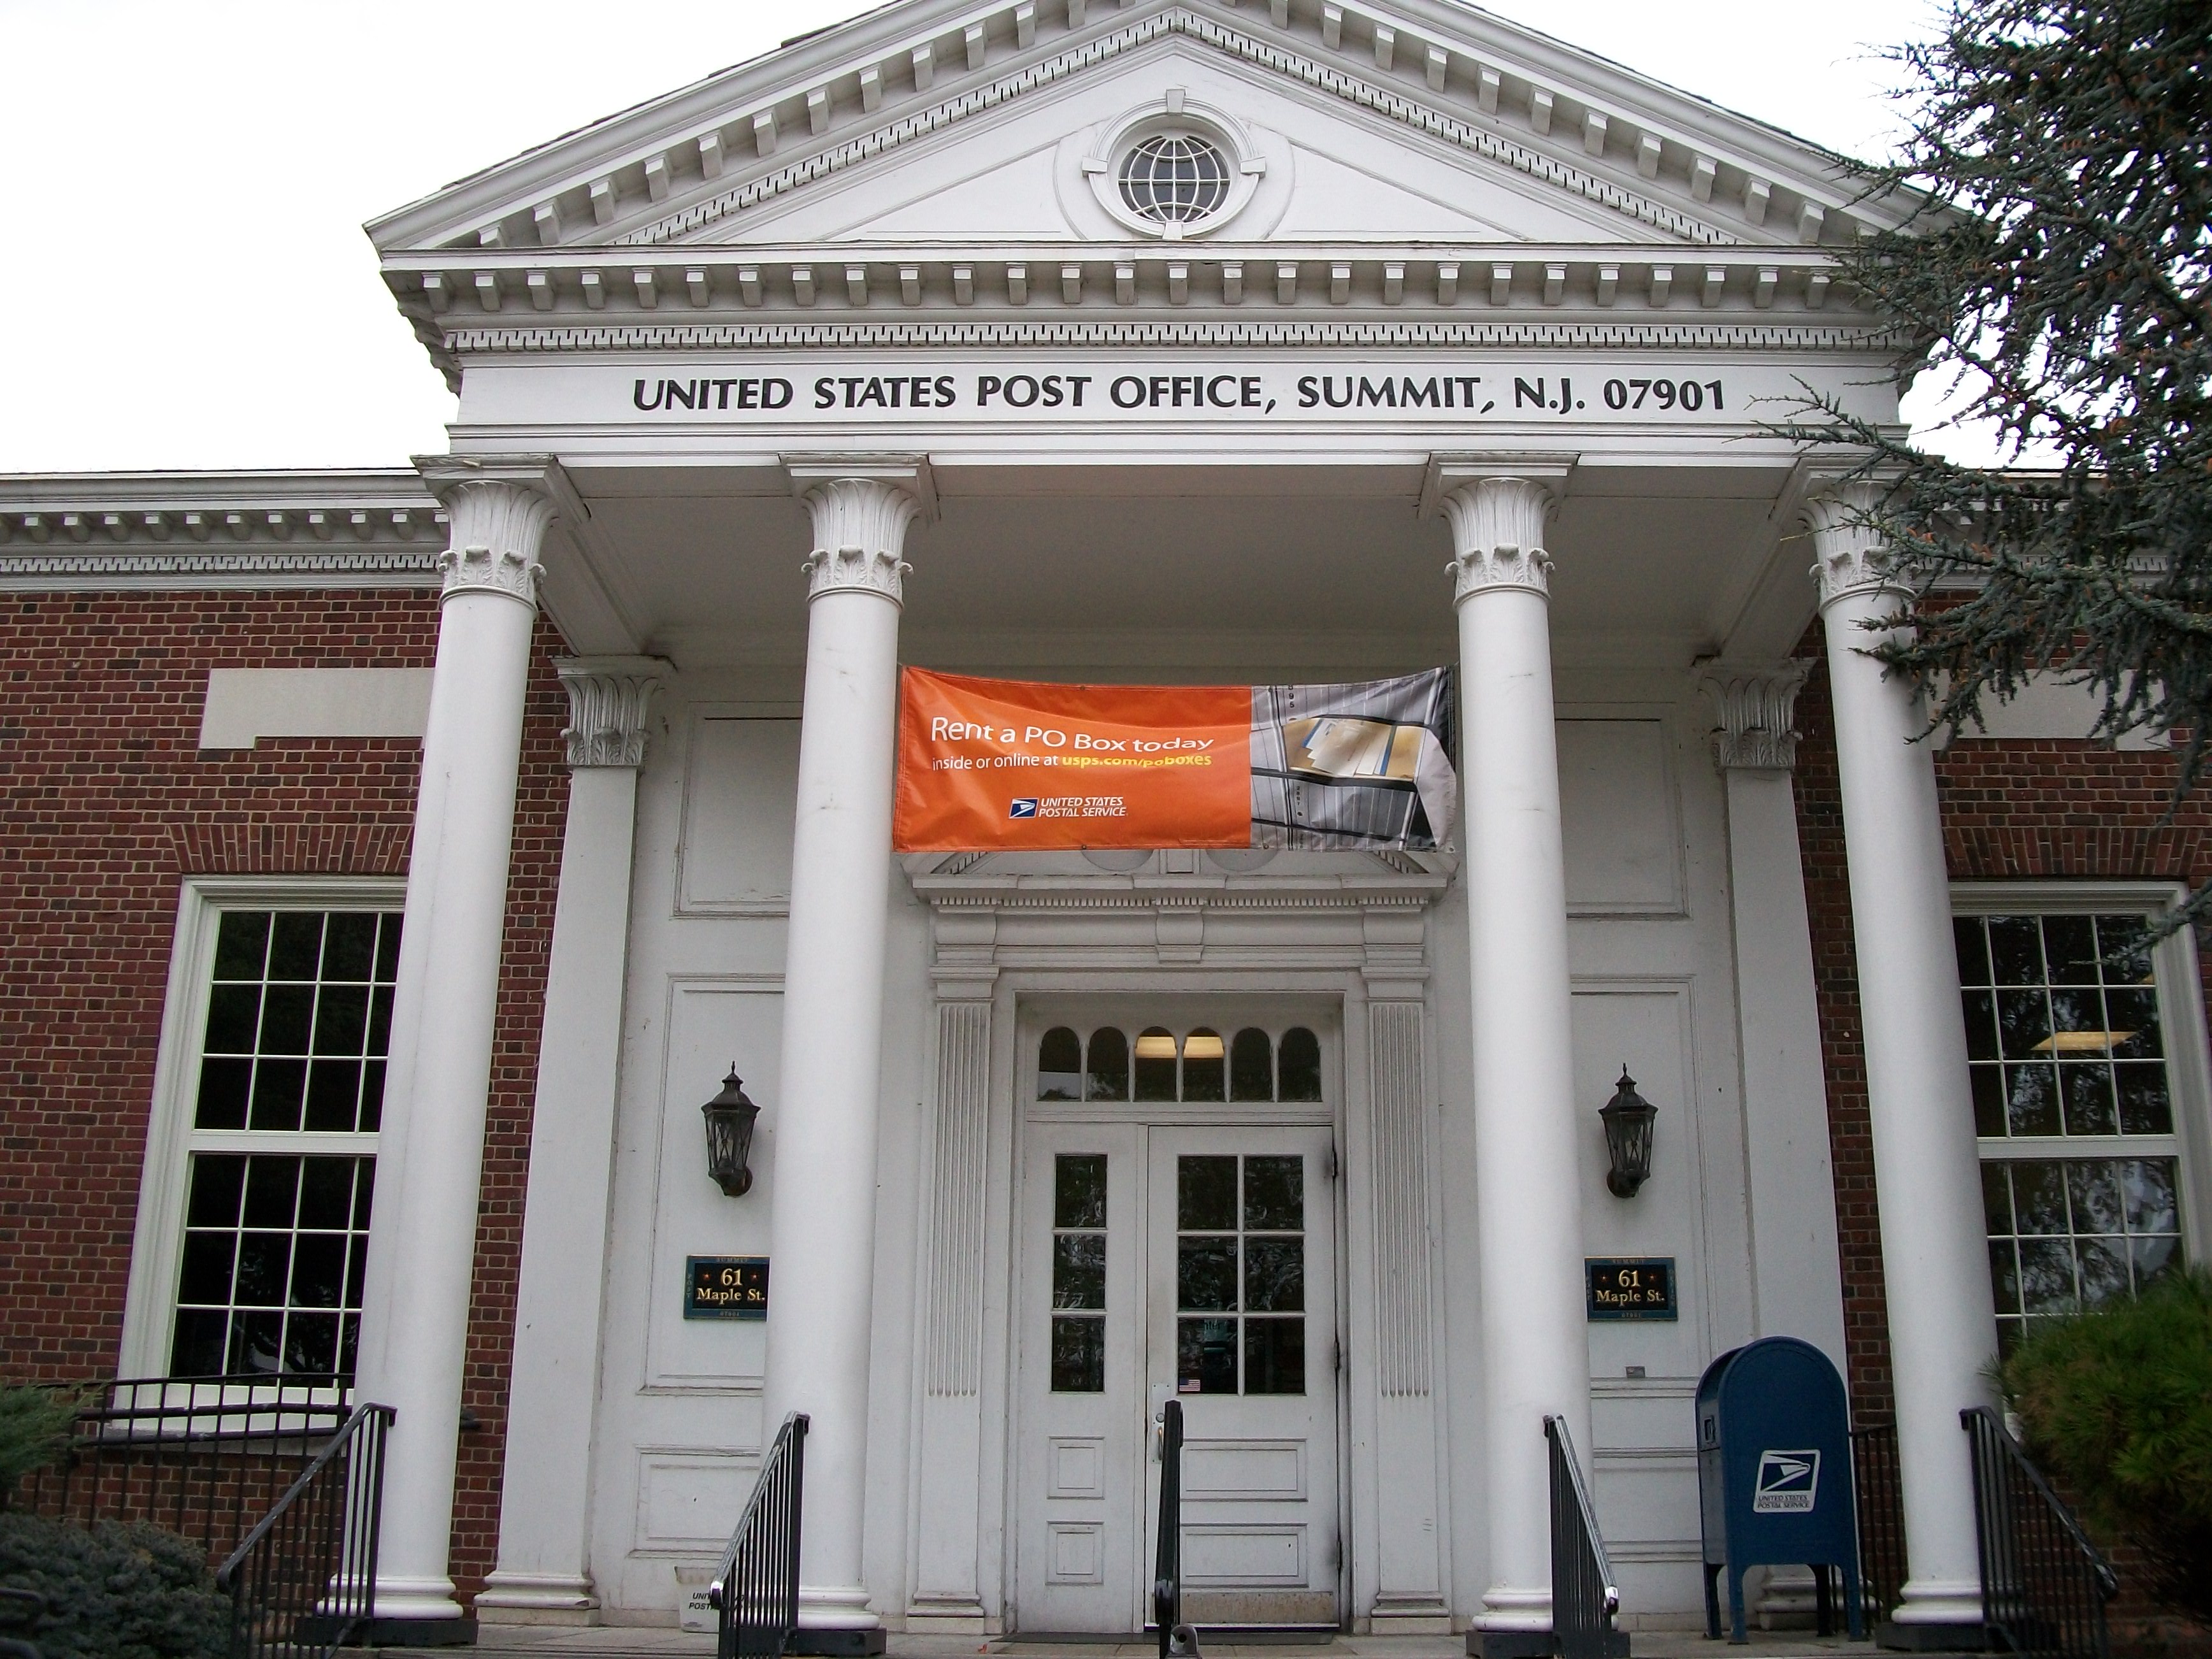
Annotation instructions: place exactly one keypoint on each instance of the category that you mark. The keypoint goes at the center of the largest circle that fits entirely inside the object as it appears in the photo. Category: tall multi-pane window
(285, 1098)
(2076, 1104)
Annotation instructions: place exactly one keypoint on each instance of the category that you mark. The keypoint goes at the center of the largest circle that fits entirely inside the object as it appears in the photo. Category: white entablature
(946, 155)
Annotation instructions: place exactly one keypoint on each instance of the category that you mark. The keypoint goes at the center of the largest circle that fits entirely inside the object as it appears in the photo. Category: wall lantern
(730, 1118)
(1628, 1119)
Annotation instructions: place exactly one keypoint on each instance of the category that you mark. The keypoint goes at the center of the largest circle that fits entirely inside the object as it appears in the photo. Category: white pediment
(1326, 172)
(938, 120)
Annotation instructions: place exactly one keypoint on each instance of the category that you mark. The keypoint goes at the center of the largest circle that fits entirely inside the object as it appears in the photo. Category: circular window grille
(1174, 179)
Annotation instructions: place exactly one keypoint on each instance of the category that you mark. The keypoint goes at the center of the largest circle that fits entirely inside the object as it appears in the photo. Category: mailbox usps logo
(1024, 808)
(1787, 1483)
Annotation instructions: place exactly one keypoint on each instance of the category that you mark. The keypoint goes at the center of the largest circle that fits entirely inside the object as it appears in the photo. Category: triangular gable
(1331, 171)
(1623, 158)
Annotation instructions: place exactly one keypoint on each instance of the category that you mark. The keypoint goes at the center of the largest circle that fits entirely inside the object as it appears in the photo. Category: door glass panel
(1060, 1065)
(1252, 1066)
(1299, 1072)
(1240, 1274)
(1108, 1076)
(1206, 1194)
(1204, 1073)
(1156, 1065)
(1078, 1272)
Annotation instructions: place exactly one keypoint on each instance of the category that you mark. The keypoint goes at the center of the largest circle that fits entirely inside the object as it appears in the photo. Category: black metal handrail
(303, 1581)
(755, 1594)
(1880, 1492)
(1584, 1595)
(2044, 1583)
(203, 1457)
(1167, 1553)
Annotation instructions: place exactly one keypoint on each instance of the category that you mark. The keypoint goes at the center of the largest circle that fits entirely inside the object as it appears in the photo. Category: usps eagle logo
(1788, 1482)
(1024, 807)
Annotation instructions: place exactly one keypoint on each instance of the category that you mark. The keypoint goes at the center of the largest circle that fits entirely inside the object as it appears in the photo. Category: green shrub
(34, 1427)
(2117, 1404)
(115, 1591)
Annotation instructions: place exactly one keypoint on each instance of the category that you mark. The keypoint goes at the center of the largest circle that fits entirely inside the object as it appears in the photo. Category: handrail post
(2044, 1585)
(1167, 1557)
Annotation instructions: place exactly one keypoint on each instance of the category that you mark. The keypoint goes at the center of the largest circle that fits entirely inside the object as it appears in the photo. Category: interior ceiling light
(1202, 1045)
(1161, 1045)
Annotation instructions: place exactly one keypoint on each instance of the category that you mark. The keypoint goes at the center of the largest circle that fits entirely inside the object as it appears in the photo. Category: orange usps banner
(986, 764)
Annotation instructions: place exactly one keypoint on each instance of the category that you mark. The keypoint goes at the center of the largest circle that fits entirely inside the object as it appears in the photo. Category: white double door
(1161, 1261)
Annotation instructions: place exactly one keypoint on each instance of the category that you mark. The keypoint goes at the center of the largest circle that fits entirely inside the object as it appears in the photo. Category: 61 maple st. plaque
(726, 1288)
(1638, 1287)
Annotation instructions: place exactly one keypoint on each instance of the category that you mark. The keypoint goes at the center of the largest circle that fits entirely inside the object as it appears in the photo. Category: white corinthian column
(544, 1575)
(422, 1253)
(1534, 1342)
(1935, 1257)
(823, 1230)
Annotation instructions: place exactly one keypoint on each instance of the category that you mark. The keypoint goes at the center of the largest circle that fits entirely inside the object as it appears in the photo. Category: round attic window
(1175, 178)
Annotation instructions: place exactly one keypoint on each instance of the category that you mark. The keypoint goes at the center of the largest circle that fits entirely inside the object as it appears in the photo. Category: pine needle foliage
(2118, 1403)
(2058, 269)
(34, 1430)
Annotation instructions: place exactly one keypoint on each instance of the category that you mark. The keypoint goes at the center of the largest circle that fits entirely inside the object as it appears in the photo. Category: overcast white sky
(203, 167)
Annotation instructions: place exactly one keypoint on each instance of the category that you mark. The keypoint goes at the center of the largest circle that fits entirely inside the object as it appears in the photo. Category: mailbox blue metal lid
(1774, 1469)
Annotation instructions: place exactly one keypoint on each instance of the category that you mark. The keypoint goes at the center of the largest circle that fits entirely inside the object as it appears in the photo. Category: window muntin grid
(2063, 1034)
(2074, 1232)
(1240, 1274)
(1174, 179)
(1202, 1065)
(281, 1167)
(2073, 1100)
(1078, 1272)
(275, 1245)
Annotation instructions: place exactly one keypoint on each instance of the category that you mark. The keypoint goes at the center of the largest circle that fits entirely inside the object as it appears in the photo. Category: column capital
(1851, 553)
(861, 505)
(1757, 704)
(1497, 506)
(607, 700)
(498, 508)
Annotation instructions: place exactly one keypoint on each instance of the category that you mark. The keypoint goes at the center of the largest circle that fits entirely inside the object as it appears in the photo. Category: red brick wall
(2012, 810)
(106, 804)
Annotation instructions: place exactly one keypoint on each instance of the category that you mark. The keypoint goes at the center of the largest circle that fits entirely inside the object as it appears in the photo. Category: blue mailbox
(1774, 1473)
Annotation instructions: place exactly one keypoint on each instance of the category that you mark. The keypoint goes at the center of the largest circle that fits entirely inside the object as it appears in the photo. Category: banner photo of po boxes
(726, 1288)
(1774, 1475)
(1002, 765)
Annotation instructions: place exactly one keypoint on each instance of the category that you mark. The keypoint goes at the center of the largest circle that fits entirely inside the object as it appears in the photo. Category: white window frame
(158, 1242)
(2181, 1016)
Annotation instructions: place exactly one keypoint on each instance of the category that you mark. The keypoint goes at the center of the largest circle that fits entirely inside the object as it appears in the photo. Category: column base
(1936, 1616)
(415, 1601)
(524, 1598)
(836, 1620)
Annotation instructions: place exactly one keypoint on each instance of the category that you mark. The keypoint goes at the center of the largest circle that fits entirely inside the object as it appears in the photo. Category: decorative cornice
(1498, 509)
(862, 507)
(1851, 556)
(150, 531)
(1757, 704)
(1144, 330)
(608, 699)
